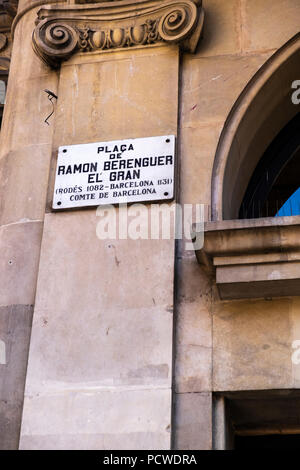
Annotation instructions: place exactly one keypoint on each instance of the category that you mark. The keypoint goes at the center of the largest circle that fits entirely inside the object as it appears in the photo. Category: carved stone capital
(62, 30)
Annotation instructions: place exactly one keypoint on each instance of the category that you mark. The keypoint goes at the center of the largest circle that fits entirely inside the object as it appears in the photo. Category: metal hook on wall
(51, 97)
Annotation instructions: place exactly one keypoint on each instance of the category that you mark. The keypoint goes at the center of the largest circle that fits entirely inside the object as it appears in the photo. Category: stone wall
(238, 345)
(108, 346)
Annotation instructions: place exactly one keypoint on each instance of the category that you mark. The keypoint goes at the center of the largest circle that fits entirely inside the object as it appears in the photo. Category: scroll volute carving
(62, 30)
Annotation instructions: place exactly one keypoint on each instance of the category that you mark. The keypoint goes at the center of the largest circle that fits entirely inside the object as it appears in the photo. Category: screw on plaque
(51, 97)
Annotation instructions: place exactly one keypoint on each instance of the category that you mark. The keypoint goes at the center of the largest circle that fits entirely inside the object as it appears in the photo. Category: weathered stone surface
(222, 26)
(252, 258)
(211, 86)
(16, 170)
(124, 307)
(24, 163)
(10, 422)
(21, 132)
(198, 143)
(106, 441)
(15, 328)
(193, 329)
(295, 340)
(252, 345)
(23, 56)
(20, 248)
(194, 319)
(192, 421)
(269, 24)
(193, 366)
(25, 137)
(112, 294)
(97, 419)
(128, 108)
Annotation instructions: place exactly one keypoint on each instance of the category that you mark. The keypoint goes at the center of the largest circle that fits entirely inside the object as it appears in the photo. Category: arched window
(249, 245)
(261, 118)
(274, 186)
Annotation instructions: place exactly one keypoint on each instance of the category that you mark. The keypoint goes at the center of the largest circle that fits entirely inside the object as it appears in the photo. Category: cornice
(251, 258)
(62, 30)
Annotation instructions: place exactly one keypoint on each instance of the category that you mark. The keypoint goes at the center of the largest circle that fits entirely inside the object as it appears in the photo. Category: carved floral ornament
(62, 30)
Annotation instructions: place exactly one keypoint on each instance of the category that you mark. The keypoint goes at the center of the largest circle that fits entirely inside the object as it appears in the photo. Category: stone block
(193, 421)
(97, 419)
(268, 24)
(210, 86)
(15, 329)
(252, 345)
(20, 248)
(20, 198)
(221, 33)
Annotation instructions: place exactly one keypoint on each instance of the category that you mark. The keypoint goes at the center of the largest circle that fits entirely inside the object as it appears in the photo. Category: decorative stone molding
(8, 10)
(9, 6)
(254, 258)
(62, 30)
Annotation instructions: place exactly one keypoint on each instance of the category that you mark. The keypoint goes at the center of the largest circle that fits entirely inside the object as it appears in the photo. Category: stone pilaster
(25, 152)
(100, 362)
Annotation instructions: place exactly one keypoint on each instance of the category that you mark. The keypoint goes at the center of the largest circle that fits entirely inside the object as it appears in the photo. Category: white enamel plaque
(133, 170)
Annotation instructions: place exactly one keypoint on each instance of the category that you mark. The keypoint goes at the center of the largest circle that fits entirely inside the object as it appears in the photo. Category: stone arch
(261, 111)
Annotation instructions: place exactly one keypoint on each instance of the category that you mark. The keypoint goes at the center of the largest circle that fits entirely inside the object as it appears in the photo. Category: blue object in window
(291, 206)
